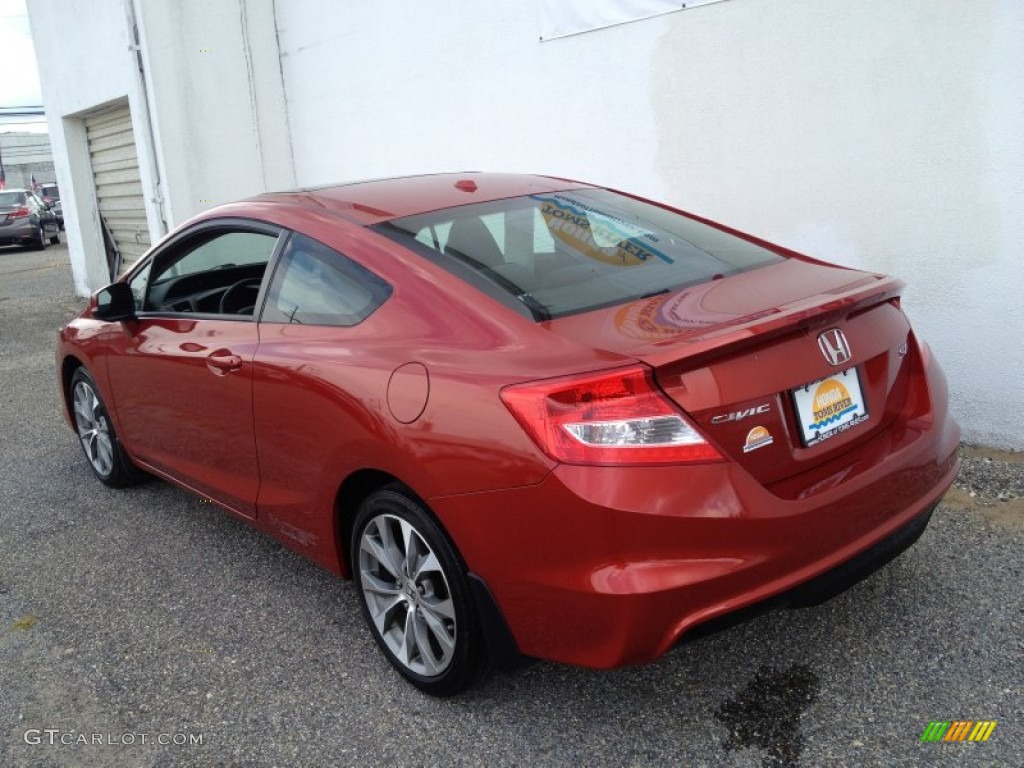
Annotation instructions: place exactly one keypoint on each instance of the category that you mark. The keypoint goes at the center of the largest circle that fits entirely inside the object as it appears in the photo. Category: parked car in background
(50, 193)
(26, 220)
(526, 415)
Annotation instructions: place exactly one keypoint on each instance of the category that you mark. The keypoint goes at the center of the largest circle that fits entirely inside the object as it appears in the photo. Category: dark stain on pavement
(766, 714)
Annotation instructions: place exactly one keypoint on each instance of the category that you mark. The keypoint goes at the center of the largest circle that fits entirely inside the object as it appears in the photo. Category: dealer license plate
(829, 406)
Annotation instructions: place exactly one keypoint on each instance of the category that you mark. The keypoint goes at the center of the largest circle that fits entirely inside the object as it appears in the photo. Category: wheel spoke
(83, 408)
(82, 415)
(440, 632)
(432, 665)
(411, 546)
(386, 528)
(427, 564)
(105, 452)
(382, 610)
(408, 647)
(377, 585)
(439, 609)
(89, 443)
(379, 552)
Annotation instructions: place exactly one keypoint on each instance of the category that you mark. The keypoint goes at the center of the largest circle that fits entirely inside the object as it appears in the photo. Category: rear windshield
(560, 253)
(12, 198)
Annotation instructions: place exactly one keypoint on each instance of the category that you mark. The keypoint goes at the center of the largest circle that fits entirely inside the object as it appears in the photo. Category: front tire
(96, 435)
(414, 594)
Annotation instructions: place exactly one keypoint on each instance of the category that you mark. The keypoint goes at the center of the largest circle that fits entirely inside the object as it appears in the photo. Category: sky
(20, 85)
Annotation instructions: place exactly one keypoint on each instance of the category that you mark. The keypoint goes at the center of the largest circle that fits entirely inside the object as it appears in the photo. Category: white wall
(209, 134)
(881, 135)
(220, 137)
(408, 87)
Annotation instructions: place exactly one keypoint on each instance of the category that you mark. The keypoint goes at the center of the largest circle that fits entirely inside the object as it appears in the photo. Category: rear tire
(414, 594)
(40, 241)
(55, 240)
(96, 434)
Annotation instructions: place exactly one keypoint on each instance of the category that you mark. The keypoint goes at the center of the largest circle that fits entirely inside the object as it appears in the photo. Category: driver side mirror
(115, 302)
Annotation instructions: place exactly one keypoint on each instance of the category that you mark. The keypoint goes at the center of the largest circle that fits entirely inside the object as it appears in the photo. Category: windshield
(560, 253)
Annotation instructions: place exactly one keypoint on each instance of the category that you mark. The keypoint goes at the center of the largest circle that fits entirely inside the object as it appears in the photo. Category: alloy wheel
(407, 595)
(93, 429)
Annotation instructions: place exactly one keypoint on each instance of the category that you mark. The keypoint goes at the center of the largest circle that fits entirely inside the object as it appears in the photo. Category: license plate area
(829, 406)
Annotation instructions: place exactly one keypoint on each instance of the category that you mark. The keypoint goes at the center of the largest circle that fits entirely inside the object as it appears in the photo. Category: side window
(217, 271)
(228, 250)
(138, 285)
(315, 285)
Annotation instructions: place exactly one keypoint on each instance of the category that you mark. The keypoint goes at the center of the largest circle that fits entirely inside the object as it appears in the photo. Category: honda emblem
(834, 346)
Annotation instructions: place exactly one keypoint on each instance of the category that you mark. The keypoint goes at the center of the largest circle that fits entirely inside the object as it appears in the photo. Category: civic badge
(834, 347)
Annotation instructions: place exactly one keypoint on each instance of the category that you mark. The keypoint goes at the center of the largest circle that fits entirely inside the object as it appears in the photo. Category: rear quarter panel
(321, 394)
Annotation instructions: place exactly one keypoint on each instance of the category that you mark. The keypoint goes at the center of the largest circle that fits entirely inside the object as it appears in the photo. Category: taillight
(19, 213)
(616, 417)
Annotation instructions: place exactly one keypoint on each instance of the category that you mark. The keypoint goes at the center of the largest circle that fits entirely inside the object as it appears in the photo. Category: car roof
(378, 200)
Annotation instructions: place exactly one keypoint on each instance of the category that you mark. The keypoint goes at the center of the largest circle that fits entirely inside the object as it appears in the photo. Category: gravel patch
(991, 475)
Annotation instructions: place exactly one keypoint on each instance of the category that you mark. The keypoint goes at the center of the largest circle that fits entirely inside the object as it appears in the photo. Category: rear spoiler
(813, 312)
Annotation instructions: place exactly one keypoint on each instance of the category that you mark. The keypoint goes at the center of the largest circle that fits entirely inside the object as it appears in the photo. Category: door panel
(183, 391)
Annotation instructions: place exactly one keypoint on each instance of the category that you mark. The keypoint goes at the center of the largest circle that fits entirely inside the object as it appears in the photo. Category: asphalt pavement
(145, 628)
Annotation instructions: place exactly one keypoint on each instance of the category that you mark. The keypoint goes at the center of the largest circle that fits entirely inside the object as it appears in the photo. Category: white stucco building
(882, 135)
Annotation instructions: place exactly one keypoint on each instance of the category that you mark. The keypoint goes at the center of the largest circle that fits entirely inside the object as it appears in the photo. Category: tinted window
(315, 285)
(227, 250)
(216, 271)
(560, 253)
(12, 198)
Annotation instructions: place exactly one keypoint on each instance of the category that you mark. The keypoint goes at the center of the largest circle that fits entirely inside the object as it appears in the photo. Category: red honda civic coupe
(530, 417)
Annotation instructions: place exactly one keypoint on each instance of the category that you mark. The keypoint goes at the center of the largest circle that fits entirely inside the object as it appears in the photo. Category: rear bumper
(603, 566)
(827, 585)
(18, 233)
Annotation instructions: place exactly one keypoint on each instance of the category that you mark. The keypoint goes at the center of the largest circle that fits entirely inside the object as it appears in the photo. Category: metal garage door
(115, 168)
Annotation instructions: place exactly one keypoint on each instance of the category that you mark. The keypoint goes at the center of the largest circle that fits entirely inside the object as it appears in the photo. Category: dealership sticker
(758, 437)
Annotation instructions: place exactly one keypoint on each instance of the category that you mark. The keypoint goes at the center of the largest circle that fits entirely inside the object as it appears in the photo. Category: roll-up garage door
(115, 168)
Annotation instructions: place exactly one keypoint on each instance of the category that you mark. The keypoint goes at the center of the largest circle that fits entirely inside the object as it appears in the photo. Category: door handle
(222, 362)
